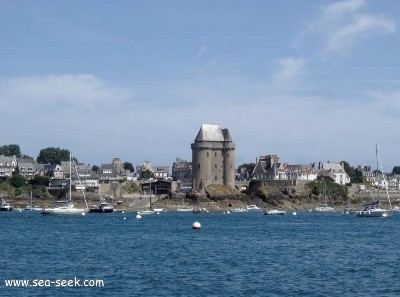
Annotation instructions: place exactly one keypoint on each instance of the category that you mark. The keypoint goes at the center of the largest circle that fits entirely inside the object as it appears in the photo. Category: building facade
(213, 158)
(182, 172)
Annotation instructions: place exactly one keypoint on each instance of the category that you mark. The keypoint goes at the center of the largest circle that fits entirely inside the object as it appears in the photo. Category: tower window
(215, 166)
(216, 177)
(198, 166)
(208, 154)
(215, 154)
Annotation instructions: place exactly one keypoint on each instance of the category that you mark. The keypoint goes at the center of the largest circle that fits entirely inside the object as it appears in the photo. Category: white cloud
(79, 112)
(343, 38)
(340, 26)
(290, 72)
(80, 92)
(338, 9)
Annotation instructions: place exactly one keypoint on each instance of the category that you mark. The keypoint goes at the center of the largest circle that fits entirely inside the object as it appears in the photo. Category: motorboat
(5, 206)
(253, 207)
(275, 212)
(104, 207)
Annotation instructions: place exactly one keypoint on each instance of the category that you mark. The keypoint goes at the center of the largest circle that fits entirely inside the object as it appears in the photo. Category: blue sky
(307, 80)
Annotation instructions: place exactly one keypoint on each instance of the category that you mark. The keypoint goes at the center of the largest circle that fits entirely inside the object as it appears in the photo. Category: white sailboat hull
(146, 212)
(324, 209)
(374, 213)
(64, 211)
(275, 212)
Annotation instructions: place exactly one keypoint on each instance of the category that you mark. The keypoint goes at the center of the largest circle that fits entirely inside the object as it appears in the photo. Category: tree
(10, 150)
(147, 174)
(52, 155)
(354, 174)
(396, 170)
(40, 181)
(129, 166)
(95, 168)
(248, 166)
(17, 180)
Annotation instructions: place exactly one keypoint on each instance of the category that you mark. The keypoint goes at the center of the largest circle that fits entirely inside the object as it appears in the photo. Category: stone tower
(213, 157)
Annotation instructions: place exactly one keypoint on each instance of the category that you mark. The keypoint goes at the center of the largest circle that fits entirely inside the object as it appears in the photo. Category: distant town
(212, 163)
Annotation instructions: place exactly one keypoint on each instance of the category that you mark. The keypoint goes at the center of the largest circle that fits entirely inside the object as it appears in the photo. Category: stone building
(213, 157)
(182, 172)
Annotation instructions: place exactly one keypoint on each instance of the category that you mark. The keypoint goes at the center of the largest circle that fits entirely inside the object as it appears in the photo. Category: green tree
(354, 174)
(40, 181)
(10, 150)
(95, 168)
(129, 166)
(52, 155)
(17, 180)
(396, 170)
(147, 174)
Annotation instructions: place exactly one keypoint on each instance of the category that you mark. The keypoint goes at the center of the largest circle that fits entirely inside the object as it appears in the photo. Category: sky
(308, 80)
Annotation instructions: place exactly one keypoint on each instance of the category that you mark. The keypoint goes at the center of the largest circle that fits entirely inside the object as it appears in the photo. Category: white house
(335, 171)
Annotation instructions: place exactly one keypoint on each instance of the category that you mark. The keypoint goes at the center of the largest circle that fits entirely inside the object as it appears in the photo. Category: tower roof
(212, 133)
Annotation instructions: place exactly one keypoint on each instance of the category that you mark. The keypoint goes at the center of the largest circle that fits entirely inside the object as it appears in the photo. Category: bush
(17, 180)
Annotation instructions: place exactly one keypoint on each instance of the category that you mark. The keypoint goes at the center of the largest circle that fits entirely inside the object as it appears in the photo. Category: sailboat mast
(70, 177)
(377, 170)
(383, 178)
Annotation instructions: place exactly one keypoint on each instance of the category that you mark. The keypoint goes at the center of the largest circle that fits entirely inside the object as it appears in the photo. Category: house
(301, 172)
(84, 177)
(335, 171)
(8, 165)
(182, 171)
(161, 172)
(110, 173)
(269, 168)
(147, 170)
(143, 170)
(26, 167)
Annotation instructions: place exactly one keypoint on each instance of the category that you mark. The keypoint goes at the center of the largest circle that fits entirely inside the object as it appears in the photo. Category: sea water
(236, 254)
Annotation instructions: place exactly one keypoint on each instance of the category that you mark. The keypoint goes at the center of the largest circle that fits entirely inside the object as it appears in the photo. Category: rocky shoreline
(218, 198)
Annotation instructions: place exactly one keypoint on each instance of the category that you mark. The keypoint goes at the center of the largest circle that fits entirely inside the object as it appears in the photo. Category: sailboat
(373, 209)
(147, 211)
(29, 207)
(66, 207)
(324, 207)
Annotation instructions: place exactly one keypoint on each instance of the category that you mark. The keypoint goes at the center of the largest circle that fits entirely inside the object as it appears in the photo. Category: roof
(210, 132)
(335, 167)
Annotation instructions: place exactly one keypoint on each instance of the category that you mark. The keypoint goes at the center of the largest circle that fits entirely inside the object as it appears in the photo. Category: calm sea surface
(237, 254)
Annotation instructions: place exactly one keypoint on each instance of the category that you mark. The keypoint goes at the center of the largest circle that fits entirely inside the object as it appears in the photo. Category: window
(198, 166)
(216, 177)
(208, 154)
(215, 166)
(215, 154)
